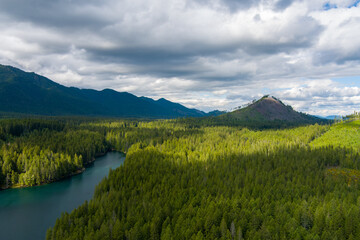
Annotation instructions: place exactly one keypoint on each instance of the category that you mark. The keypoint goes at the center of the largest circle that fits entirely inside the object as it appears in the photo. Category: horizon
(303, 52)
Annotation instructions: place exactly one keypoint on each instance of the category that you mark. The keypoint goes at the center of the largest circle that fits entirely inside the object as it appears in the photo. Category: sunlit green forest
(188, 181)
(346, 134)
(33, 152)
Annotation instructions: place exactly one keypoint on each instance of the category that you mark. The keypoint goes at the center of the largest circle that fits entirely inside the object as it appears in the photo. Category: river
(26, 213)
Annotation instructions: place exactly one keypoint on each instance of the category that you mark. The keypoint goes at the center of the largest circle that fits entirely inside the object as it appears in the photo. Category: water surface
(26, 213)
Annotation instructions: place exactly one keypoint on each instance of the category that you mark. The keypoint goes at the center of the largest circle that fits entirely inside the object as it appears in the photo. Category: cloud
(337, 44)
(204, 54)
(323, 97)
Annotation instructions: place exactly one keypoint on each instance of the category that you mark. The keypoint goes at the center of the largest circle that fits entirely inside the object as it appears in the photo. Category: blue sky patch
(327, 6)
(351, 81)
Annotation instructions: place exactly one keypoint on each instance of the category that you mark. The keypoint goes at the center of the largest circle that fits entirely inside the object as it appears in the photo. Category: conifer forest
(194, 181)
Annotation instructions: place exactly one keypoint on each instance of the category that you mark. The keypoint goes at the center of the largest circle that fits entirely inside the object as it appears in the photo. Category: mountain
(267, 112)
(30, 93)
(269, 108)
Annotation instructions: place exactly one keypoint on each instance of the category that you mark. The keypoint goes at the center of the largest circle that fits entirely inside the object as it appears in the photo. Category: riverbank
(78, 171)
(26, 213)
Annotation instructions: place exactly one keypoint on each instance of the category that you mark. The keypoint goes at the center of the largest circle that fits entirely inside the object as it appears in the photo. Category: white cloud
(204, 54)
(322, 97)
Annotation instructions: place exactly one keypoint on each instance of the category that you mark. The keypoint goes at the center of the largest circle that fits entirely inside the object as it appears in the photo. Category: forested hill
(267, 112)
(30, 93)
(270, 111)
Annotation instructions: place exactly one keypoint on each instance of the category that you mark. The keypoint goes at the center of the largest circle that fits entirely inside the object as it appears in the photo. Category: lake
(26, 213)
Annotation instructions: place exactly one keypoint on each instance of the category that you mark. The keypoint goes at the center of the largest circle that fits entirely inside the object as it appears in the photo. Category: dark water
(27, 213)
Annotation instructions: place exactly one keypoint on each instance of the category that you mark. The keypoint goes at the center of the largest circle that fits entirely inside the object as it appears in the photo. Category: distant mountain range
(29, 93)
(333, 117)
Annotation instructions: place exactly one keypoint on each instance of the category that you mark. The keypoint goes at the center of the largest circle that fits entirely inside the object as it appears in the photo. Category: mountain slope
(215, 113)
(23, 92)
(176, 107)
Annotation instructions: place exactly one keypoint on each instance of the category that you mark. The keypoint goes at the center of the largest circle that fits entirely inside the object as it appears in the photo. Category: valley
(183, 180)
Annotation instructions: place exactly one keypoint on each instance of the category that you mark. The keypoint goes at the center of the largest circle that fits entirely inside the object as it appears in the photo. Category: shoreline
(77, 172)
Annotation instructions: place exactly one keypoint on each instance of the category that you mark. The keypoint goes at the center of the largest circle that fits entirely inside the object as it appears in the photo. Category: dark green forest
(221, 183)
(192, 181)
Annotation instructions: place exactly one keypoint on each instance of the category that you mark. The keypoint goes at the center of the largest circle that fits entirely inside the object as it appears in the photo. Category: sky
(204, 54)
